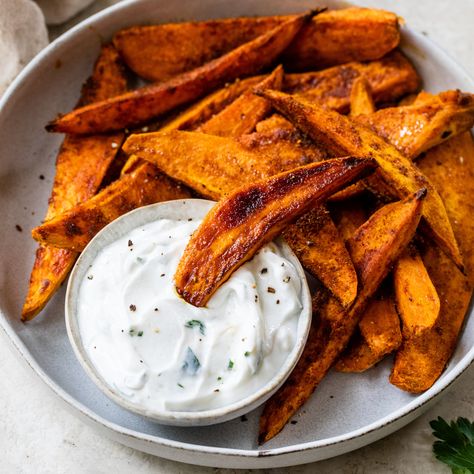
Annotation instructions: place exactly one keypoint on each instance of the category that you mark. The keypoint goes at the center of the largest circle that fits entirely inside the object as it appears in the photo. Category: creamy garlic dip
(161, 353)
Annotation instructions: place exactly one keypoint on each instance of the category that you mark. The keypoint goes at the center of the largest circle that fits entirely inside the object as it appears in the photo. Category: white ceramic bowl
(180, 209)
(346, 411)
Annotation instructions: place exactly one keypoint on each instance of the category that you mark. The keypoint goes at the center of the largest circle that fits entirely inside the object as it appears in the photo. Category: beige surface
(39, 436)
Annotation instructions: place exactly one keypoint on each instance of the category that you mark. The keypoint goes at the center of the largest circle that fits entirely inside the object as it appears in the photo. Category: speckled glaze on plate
(345, 413)
(181, 209)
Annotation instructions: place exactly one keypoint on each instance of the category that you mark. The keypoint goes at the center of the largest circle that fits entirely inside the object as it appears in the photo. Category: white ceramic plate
(346, 412)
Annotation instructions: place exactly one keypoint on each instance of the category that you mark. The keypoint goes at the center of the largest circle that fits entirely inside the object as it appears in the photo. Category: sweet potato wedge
(343, 136)
(333, 37)
(421, 360)
(379, 335)
(417, 300)
(215, 166)
(76, 227)
(146, 103)
(389, 78)
(316, 242)
(198, 113)
(415, 128)
(362, 101)
(374, 246)
(80, 168)
(242, 115)
(239, 225)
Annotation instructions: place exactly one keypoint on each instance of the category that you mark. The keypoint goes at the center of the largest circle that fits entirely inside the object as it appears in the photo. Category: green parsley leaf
(196, 323)
(456, 448)
(230, 365)
(246, 353)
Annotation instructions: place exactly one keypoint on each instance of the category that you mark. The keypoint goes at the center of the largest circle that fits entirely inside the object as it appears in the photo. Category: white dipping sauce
(162, 353)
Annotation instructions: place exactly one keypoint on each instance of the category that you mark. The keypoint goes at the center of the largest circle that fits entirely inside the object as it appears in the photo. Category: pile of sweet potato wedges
(333, 145)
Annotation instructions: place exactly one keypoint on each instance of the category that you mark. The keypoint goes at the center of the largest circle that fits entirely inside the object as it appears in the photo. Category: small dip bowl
(179, 209)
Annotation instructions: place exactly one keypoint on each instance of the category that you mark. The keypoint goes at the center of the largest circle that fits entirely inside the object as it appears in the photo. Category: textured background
(38, 435)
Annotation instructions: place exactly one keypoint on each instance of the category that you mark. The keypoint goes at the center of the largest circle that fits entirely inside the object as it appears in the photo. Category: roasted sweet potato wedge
(245, 112)
(240, 224)
(362, 101)
(343, 136)
(379, 334)
(421, 359)
(198, 113)
(415, 128)
(146, 103)
(417, 300)
(389, 78)
(76, 227)
(374, 246)
(316, 242)
(80, 168)
(333, 37)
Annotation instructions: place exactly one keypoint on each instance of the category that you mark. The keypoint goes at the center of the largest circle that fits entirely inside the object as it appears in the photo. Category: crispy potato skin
(81, 165)
(343, 136)
(76, 227)
(240, 224)
(333, 37)
(379, 335)
(245, 112)
(421, 360)
(375, 246)
(417, 300)
(146, 103)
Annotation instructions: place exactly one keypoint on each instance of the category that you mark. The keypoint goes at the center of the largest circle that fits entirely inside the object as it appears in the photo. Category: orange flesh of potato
(343, 136)
(81, 165)
(417, 300)
(236, 227)
(422, 359)
(374, 247)
(142, 105)
(76, 227)
(245, 112)
(333, 37)
(379, 335)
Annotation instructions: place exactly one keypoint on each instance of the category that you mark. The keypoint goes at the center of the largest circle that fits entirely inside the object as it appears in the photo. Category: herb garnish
(264, 270)
(230, 365)
(456, 448)
(191, 363)
(246, 353)
(140, 333)
(179, 385)
(196, 323)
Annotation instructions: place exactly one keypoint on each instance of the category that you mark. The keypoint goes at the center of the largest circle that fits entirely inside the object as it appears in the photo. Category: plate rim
(401, 415)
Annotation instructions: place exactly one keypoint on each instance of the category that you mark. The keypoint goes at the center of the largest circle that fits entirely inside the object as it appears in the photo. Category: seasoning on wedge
(75, 228)
(342, 136)
(421, 359)
(374, 248)
(378, 335)
(81, 166)
(417, 300)
(151, 101)
(239, 225)
(333, 37)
